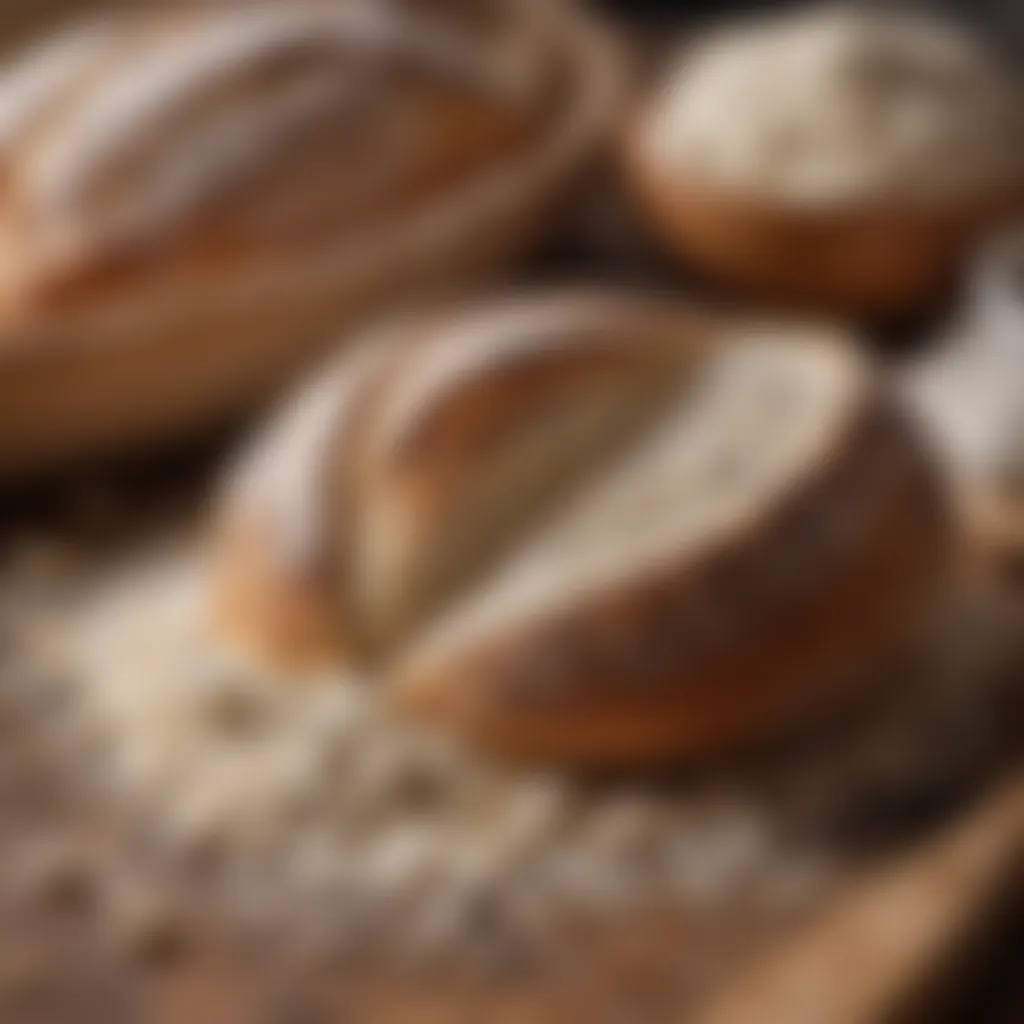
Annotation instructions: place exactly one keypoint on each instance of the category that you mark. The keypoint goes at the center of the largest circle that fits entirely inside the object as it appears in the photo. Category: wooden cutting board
(884, 947)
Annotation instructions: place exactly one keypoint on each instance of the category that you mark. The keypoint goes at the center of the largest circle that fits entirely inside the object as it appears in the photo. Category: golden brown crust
(154, 355)
(530, 396)
(879, 260)
(171, 143)
(284, 534)
(697, 660)
(665, 594)
(278, 612)
(818, 160)
(390, 474)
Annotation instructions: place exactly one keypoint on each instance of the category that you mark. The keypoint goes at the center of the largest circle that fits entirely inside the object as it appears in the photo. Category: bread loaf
(846, 161)
(589, 527)
(189, 197)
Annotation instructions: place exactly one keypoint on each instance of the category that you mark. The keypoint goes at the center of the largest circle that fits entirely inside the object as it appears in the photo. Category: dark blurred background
(1002, 19)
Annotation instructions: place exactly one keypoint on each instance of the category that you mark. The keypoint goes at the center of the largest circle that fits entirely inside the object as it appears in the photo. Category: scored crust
(737, 541)
(778, 600)
(128, 331)
(422, 454)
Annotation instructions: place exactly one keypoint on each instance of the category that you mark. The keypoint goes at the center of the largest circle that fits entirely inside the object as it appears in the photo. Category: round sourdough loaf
(597, 528)
(191, 198)
(846, 161)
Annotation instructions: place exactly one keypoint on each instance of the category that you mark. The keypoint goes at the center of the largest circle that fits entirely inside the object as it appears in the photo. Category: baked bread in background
(190, 197)
(590, 528)
(846, 160)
